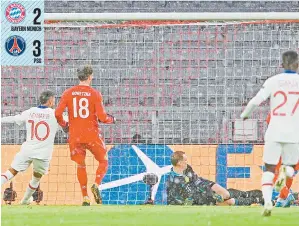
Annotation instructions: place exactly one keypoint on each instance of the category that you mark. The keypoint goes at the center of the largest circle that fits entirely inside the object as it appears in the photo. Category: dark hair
(289, 58)
(45, 96)
(84, 73)
(176, 157)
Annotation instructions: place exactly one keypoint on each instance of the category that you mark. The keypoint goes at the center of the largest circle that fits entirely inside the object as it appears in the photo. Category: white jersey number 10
(34, 130)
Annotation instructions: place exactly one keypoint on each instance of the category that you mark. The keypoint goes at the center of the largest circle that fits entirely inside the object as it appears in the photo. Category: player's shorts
(22, 161)
(289, 153)
(204, 183)
(97, 148)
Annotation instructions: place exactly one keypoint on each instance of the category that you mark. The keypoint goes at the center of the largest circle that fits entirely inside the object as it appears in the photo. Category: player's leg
(98, 149)
(8, 175)
(78, 153)
(244, 198)
(227, 197)
(277, 170)
(271, 156)
(32, 186)
(221, 191)
(20, 163)
(290, 154)
(221, 195)
(256, 196)
(40, 167)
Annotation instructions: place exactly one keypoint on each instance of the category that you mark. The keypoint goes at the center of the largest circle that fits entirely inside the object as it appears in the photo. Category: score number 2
(37, 43)
(285, 99)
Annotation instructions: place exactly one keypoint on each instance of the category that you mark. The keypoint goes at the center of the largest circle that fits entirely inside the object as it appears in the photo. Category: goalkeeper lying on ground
(185, 187)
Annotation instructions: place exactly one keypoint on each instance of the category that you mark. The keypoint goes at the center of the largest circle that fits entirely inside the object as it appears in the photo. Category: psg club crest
(15, 45)
(15, 13)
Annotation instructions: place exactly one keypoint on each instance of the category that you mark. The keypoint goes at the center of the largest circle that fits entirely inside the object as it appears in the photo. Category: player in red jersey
(284, 192)
(85, 111)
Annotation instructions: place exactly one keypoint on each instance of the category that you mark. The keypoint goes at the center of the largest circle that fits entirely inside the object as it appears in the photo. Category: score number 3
(285, 99)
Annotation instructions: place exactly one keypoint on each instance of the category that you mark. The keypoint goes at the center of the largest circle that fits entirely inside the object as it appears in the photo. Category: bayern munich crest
(15, 45)
(15, 13)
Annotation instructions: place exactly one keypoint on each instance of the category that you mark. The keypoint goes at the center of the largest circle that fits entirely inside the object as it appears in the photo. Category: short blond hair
(176, 157)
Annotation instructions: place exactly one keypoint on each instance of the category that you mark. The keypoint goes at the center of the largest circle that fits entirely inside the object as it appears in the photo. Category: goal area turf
(121, 215)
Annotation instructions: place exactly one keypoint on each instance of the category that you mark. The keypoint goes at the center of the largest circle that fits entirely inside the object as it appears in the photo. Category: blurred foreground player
(85, 111)
(185, 187)
(41, 128)
(281, 138)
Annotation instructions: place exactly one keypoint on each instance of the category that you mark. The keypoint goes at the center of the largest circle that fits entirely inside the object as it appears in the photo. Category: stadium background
(179, 86)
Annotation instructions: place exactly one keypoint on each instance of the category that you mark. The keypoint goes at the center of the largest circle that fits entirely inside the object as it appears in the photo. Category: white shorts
(21, 162)
(289, 152)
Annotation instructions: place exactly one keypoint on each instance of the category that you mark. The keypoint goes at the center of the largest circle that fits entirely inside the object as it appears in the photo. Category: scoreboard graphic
(22, 33)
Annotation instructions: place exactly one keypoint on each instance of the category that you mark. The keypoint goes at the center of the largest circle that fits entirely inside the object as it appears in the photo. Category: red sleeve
(60, 109)
(268, 118)
(100, 111)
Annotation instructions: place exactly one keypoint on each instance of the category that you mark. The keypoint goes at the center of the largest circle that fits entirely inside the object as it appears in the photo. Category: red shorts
(97, 148)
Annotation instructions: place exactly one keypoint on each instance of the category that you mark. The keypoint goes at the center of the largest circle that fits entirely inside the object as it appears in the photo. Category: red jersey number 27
(276, 111)
(80, 107)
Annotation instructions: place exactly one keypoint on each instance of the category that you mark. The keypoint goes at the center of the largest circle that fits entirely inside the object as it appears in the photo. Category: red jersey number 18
(83, 110)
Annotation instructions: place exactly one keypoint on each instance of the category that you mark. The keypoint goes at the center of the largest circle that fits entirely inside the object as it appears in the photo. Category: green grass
(145, 215)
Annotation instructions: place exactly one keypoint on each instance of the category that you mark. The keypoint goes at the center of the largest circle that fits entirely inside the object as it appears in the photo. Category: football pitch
(145, 215)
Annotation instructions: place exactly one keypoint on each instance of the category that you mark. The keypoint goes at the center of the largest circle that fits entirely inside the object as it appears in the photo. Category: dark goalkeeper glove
(66, 128)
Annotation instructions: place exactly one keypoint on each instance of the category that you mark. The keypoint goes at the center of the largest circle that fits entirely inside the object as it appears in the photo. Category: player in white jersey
(281, 138)
(41, 126)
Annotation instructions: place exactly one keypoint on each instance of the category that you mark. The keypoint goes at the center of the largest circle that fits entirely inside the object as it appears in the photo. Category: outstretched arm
(19, 119)
(261, 96)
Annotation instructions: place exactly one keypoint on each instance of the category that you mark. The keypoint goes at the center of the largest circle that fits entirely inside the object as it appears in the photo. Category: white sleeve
(18, 119)
(261, 96)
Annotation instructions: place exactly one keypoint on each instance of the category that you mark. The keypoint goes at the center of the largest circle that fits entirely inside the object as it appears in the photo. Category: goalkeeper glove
(66, 128)
(109, 120)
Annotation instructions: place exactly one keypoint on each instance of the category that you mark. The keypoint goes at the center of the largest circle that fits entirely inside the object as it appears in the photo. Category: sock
(6, 177)
(33, 184)
(267, 186)
(101, 171)
(275, 177)
(82, 178)
(286, 189)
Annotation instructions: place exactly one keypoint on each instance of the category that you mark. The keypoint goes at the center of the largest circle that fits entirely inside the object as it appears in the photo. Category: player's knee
(37, 175)
(103, 163)
(13, 171)
(102, 158)
(79, 159)
(270, 168)
(221, 191)
(226, 194)
(230, 202)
